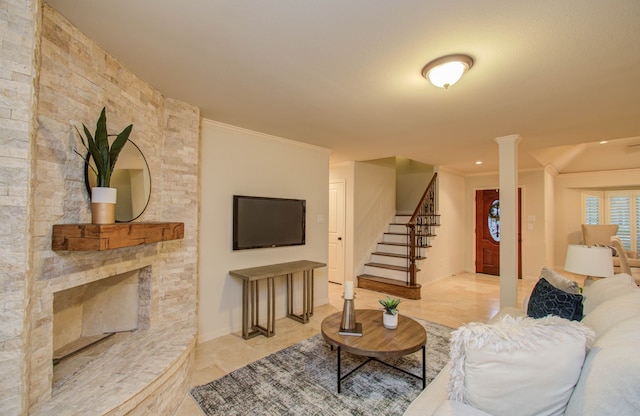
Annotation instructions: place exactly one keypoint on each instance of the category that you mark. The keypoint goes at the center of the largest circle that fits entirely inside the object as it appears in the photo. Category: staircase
(393, 267)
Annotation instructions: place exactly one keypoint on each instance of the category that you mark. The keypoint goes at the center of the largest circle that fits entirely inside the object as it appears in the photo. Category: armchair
(625, 261)
(602, 235)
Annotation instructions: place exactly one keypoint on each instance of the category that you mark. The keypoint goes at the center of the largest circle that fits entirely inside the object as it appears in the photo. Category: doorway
(337, 214)
(488, 232)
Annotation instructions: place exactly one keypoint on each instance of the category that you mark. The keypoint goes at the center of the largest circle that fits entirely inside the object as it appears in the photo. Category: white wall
(534, 239)
(374, 205)
(238, 161)
(568, 203)
(446, 256)
(412, 179)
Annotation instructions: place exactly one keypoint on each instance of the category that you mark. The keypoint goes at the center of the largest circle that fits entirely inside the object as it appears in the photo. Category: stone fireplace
(140, 371)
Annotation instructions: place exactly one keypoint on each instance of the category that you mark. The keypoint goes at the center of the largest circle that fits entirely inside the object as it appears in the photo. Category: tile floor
(452, 301)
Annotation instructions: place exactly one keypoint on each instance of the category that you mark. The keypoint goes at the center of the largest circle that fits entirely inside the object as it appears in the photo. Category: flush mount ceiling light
(447, 70)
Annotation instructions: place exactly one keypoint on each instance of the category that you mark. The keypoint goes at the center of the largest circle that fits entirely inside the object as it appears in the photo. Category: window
(592, 208)
(615, 207)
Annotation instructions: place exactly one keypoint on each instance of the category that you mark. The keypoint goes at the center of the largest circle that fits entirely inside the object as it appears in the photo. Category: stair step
(391, 243)
(390, 271)
(397, 228)
(405, 234)
(388, 266)
(389, 286)
(403, 256)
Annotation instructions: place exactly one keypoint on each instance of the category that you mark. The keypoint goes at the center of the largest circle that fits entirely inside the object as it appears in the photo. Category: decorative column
(508, 159)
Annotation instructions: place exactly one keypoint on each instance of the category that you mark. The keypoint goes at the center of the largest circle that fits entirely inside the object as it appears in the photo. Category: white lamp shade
(589, 260)
(447, 74)
(447, 70)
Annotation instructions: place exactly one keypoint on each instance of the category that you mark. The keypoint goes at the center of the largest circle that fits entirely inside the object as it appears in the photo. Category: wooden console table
(250, 294)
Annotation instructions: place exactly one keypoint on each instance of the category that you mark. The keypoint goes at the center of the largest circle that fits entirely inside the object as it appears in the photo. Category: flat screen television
(260, 222)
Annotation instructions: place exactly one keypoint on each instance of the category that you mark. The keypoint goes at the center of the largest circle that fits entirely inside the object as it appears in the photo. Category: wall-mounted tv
(260, 222)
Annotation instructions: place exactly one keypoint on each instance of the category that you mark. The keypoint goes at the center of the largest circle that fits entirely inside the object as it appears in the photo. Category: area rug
(301, 380)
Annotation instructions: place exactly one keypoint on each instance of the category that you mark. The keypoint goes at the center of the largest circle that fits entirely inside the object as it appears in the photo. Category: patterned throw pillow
(548, 300)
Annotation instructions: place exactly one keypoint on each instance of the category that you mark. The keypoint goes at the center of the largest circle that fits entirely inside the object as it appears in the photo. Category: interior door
(488, 232)
(337, 214)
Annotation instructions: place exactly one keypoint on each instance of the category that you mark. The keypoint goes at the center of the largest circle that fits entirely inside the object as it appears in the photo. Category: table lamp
(589, 260)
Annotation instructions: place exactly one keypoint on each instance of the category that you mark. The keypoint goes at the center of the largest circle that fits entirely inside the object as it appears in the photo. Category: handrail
(420, 228)
(424, 196)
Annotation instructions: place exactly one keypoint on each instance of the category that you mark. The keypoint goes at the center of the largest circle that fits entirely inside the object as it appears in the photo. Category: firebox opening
(86, 314)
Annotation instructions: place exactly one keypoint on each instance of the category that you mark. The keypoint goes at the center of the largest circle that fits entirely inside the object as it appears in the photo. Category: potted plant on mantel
(103, 197)
(390, 314)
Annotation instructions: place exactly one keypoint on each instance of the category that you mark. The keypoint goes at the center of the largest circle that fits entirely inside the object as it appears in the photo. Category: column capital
(512, 138)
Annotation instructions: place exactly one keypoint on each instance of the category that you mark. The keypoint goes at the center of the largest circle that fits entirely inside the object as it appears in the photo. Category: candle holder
(348, 325)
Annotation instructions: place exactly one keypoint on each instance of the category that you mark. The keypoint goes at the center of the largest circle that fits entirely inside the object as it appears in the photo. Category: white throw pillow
(610, 379)
(560, 282)
(520, 366)
(606, 289)
(613, 311)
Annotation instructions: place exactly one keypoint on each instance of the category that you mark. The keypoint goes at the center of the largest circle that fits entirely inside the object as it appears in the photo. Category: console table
(250, 294)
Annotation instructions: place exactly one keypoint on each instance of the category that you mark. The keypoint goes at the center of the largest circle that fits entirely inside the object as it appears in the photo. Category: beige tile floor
(452, 301)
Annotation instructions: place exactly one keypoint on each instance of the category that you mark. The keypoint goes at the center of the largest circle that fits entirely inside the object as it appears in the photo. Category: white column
(508, 158)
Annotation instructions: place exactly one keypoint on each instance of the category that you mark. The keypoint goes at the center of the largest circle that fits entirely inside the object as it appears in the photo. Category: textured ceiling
(346, 74)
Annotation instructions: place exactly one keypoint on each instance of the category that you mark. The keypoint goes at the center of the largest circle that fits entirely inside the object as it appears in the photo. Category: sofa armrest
(453, 408)
(436, 392)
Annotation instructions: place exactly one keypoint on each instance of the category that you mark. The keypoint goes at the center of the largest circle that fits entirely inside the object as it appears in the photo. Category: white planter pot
(390, 321)
(103, 205)
(102, 195)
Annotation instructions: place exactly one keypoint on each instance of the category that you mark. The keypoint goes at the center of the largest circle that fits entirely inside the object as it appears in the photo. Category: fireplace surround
(145, 371)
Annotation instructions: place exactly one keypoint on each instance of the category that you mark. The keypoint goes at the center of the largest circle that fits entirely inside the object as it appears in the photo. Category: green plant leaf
(94, 151)
(118, 144)
(102, 143)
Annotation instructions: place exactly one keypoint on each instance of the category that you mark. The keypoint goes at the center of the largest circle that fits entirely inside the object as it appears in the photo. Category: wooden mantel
(98, 237)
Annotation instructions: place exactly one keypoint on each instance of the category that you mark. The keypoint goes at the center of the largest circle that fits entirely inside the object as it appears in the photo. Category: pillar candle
(348, 290)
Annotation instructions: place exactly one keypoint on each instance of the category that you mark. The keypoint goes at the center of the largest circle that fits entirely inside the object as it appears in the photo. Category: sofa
(580, 357)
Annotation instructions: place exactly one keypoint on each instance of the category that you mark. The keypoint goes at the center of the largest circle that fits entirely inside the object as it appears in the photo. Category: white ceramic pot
(390, 321)
(103, 205)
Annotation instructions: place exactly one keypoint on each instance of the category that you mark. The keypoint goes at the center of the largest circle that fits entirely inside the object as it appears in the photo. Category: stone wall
(42, 179)
(19, 23)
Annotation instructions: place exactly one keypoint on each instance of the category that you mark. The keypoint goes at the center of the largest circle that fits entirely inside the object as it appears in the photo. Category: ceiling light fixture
(447, 70)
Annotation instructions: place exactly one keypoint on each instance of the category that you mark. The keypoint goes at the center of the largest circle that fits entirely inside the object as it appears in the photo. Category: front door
(488, 232)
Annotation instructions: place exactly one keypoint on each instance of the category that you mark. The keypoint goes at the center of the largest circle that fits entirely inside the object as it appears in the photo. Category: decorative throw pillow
(559, 281)
(518, 366)
(547, 299)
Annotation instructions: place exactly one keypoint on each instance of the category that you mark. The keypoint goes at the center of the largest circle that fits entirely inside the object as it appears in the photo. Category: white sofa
(607, 367)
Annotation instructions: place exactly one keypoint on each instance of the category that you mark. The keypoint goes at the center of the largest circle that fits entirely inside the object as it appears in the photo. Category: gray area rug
(301, 380)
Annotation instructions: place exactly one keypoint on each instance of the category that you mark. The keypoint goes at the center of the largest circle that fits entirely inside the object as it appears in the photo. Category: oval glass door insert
(493, 220)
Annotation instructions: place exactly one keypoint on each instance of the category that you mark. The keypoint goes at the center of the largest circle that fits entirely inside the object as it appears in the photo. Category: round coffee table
(376, 341)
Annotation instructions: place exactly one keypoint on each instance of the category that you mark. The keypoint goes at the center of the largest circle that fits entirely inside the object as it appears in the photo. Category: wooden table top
(275, 270)
(376, 340)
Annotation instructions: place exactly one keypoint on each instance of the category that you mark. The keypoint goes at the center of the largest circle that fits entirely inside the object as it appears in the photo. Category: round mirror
(132, 179)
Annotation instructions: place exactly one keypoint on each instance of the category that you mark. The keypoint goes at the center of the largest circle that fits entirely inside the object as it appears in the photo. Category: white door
(336, 231)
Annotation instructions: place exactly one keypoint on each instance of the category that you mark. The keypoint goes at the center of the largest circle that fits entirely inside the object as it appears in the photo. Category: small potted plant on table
(390, 314)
